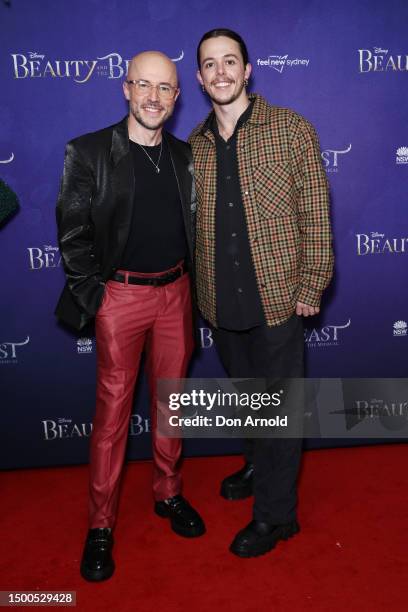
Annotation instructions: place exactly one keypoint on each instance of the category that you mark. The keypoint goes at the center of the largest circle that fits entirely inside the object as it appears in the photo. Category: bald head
(151, 89)
(153, 66)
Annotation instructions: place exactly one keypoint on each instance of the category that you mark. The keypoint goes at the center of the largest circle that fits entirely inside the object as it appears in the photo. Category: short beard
(146, 125)
(233, 97)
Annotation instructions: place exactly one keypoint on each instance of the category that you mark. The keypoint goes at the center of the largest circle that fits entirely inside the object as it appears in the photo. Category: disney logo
(34, 55)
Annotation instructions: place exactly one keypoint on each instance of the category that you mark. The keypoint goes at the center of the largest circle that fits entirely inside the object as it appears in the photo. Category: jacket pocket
(275, 194)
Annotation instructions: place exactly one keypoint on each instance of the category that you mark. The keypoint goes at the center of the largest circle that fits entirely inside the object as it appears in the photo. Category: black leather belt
(155, 281)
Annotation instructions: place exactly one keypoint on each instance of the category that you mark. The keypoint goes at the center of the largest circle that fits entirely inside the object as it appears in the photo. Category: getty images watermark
(230, 408)
(283, 408)
(222, 400)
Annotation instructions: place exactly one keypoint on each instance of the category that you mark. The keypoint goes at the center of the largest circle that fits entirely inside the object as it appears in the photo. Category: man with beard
(124, 217)
(263, 259)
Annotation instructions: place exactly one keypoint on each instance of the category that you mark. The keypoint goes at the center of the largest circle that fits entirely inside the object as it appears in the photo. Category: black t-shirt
(157, 239)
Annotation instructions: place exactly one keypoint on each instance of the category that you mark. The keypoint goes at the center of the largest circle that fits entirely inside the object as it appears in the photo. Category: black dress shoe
(185, 521)
(240, 484)
(97, 563)
(259, 538)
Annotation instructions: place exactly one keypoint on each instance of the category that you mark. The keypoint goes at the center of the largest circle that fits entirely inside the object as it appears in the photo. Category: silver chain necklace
(158, 160)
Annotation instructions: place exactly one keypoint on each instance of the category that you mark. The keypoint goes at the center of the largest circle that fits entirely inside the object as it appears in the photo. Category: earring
(246, 82)
(203, 88)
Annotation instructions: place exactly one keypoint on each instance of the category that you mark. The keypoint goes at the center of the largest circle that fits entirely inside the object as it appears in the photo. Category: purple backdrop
(344, 66)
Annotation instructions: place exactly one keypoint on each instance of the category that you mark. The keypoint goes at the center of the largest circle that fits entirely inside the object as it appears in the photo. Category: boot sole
(232, 495)
(185, 532)
(97, 575)
(267, 544)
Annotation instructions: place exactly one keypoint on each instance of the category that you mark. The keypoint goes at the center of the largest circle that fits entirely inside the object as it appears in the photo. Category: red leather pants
(130, 319)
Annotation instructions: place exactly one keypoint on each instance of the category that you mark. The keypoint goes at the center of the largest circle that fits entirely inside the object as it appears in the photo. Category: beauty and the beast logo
(37, 65)
(381, 60)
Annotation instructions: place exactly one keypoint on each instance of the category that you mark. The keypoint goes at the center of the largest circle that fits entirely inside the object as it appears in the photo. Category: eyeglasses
(145, 87)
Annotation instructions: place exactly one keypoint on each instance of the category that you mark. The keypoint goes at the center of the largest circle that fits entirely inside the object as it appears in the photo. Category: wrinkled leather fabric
(94, 212)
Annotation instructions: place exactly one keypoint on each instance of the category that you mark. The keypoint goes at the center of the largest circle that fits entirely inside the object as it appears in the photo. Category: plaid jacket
(285, 195)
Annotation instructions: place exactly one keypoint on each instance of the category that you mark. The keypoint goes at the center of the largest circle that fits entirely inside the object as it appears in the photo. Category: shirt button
(234, 234)
(239, 290)
(236, 263)
(228, 177)
(230, 204)
(228, 147)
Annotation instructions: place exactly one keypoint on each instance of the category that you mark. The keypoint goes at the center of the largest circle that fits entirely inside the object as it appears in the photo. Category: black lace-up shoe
(239, 485)
(185, 521)
(97, 563)
(259, 538)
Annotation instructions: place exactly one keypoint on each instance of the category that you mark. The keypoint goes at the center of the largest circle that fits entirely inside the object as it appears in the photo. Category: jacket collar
(260, 112)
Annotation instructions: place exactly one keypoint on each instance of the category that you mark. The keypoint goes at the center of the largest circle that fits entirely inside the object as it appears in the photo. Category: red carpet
(351, 554)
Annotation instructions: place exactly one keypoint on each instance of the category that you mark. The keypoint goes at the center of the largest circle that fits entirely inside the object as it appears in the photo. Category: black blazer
(94, 211)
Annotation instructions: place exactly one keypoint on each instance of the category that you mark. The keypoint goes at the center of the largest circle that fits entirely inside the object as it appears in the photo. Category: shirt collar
(243, 118)
(260, 113)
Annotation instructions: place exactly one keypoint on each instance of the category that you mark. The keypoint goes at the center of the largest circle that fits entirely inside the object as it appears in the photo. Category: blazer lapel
(123, 181)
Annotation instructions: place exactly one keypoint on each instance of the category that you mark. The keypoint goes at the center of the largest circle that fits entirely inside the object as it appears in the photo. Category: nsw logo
(400, 328)
(402, 155)
(84, 346)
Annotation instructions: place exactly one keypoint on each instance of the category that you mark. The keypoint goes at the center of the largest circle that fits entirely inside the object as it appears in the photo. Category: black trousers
(268, 352)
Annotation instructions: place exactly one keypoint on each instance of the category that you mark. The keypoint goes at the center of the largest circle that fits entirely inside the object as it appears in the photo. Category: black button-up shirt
(239, 304)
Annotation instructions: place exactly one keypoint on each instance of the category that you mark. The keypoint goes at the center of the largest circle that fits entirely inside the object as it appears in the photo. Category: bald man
(125, 212)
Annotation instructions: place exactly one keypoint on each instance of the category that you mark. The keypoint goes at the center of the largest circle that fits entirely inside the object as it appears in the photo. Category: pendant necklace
(158, 160)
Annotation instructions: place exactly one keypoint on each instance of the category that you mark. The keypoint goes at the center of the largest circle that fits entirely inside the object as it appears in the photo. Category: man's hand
(305, 310)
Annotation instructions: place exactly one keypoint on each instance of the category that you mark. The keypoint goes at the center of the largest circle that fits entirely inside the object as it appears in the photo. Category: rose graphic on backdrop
(8, 160)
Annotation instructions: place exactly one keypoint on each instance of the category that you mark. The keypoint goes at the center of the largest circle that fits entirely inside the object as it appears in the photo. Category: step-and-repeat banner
(343, 65)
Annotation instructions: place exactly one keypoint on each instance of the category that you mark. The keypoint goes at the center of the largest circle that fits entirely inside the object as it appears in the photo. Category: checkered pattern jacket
(285, 196)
